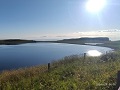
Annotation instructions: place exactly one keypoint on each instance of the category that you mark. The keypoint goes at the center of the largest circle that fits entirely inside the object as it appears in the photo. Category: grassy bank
(70, 73)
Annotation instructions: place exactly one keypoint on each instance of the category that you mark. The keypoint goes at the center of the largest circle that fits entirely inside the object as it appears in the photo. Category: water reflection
(94, 53)
(25, 55)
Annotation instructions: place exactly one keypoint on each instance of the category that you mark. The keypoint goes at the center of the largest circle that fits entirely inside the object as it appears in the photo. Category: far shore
(111, 44)
(15, 41)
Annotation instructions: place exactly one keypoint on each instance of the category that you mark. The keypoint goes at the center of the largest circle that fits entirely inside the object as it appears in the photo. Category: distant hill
(98, 39)
(15, 41)
(85, 40)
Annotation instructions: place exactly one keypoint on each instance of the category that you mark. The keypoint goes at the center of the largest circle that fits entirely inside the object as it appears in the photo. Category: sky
(57, 19)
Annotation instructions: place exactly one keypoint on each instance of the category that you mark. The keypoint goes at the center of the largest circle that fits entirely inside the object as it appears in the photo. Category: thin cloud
(111, 30)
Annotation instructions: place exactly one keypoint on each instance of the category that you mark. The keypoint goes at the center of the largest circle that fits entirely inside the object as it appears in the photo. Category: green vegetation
(70, 73)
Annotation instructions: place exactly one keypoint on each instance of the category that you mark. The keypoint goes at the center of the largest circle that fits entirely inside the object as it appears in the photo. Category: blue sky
(42, 19)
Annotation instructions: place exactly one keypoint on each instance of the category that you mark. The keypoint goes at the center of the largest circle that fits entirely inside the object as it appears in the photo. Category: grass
(70, 73)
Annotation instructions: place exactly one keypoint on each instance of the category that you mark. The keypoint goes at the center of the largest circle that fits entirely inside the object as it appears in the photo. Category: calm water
(25, 55)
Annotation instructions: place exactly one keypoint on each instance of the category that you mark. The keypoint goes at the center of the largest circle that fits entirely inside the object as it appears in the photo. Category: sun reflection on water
(94, 53)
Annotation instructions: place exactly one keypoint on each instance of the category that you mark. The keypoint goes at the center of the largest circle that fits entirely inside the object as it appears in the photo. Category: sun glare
(94, 53)
(95, 5)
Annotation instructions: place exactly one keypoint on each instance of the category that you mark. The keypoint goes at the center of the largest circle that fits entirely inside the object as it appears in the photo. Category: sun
(95, 5)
